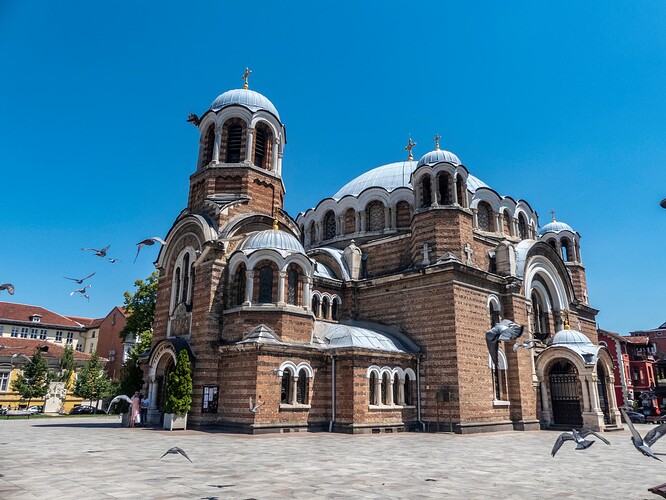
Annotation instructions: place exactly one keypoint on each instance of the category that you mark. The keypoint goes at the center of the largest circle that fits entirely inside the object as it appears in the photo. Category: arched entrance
(565, 394)
(164, 368)
(602, 390)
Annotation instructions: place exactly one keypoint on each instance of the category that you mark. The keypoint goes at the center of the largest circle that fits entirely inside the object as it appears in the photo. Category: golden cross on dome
(552, 215)
(566, 320)
(436, 139)
(246, 75)
(409, 147)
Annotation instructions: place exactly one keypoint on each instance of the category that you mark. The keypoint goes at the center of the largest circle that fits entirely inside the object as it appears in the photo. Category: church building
(368, 312)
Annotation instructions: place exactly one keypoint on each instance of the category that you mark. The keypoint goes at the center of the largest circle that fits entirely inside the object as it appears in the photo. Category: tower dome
(254, 101)
(438, 155)
(273, 239)
(555, 227)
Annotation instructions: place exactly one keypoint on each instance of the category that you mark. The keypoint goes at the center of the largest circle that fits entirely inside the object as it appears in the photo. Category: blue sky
(559, 103)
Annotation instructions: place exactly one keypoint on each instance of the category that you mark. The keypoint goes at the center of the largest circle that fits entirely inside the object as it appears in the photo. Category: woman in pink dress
(135, 408)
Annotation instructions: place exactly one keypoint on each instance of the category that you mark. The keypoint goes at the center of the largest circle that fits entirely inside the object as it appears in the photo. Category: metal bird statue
(82, 291)
(579, 438)
(505, 330)
(80, 281)
(148, 242)
(644, 444)
(98, 253)
(175, 451)
(193, 119)
(7, 286)
(255, 408)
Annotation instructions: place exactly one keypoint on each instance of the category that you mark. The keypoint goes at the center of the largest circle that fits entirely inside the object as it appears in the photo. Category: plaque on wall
(180, 321)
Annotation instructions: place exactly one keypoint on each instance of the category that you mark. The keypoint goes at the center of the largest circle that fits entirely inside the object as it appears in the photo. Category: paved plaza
(56, 458)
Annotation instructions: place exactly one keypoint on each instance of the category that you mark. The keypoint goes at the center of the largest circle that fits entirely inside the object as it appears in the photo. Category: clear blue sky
(559, 103)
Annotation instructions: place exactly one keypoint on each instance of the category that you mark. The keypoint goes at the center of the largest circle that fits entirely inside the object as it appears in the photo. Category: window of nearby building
(58, 336)
(70, 337)
(94, 333)
(42, 335)
(36, 318)
(315, 305)
(2, 329)
(15, 331)
(112, 355)
(24, 333)
(92, 347)
(240, 286)
(234, 142)
(79, 347)
(33, 333)
(4, 381)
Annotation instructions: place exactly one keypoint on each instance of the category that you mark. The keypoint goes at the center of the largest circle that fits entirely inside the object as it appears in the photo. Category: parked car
(84, 410)
(635, 417)
(36, 409)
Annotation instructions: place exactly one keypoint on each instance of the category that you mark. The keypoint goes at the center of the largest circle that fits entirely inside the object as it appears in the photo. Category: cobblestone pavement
(56, 458)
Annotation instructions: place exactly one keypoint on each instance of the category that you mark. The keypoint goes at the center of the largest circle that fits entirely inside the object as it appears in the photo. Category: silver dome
(570, 337)
(250, 99)
(272, 239)
(555, 227)
(437, 156)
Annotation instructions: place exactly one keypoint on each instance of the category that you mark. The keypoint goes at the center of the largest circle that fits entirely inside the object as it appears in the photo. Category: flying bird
(505, 330)
(255, 408)
(526, 344)
(86, 296)
(7, 286)
(113, 261)
(99, 253)
(644, 444)
(18, 355)
(193, 119)
(80, 281)
(82, 291)
(579, 438)
(115, 400)
(148, 242)
(174, 451)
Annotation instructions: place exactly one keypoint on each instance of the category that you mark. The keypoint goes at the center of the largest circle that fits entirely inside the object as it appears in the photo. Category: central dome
(250, 99)
(272, 239)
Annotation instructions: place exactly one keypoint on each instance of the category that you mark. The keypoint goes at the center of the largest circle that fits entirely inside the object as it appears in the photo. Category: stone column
(294, 389)
(363, 224)
(433, 192)
(394, 217)
(455, 192)
(217, 145)
(249, 150)
(153, 411)
(499, 227)
(401, 393)
(586, 394)
(545, 404)
(249, 288)
(280, 295)
(378, 390)
(307, 300)
(389, 395)
(475, 218)
(274, 155)
(387, 218)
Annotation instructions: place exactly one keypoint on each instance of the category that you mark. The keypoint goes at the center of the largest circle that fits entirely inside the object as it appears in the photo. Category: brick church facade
(368, 312)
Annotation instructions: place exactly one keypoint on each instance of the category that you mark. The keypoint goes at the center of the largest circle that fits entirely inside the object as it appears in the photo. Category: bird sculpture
(505, 330)
(7, 286)
(193, 119)
(117, 399)
(148, 242)
(80, 281)
(99, 253)
(175, 451)
(82, 291)
(579, 438)
(113, 261)
(644, 444)
(255, 408)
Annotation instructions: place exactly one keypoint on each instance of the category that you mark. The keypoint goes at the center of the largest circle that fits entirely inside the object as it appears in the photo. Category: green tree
(34, 379)
(92, 382)
(140, 310)
(67, 366)
(179, 386)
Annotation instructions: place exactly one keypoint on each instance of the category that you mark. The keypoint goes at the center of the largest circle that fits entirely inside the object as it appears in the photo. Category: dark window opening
(266, 285)
(261, 147)
(234, 140)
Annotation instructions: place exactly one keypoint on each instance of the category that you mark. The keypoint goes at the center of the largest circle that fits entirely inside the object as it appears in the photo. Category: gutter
(418, 393)
(330, 423)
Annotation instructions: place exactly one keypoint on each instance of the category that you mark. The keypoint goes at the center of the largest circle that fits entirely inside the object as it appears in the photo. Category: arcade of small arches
(183, 279)
(440, 185)
(326, 306)
(390, 387)
(567, 245)
(295, 384)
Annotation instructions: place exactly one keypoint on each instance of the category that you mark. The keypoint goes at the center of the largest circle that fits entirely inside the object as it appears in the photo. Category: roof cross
(409, 147)
(246, 75)
(436, 139)
(552, 214)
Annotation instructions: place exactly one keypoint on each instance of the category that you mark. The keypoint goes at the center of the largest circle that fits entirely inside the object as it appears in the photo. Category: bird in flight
(579, 438)
(174, 451)
(644, 444)
(87, 296)
(504, 330)
(82, 291)
(99, 253)
(113, 261)
(148, 242)
(121, 397)
(18, 355)
(193, 119)
(255, 408)
(80, 281)
(7, 286)
(526, 344)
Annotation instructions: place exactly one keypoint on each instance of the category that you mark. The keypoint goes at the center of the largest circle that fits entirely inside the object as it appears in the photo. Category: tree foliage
(34, 379)
(179, 386)
(67, 366)
(92, 382)
(140, 311)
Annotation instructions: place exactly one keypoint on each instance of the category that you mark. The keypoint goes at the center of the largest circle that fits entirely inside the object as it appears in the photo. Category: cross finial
(409, 147)
(246, 75)
(566, 320)
(552, 215)
(436, 139)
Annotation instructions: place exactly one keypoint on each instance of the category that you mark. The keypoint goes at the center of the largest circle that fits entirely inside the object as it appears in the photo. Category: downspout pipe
(330, 423)
(418, 393)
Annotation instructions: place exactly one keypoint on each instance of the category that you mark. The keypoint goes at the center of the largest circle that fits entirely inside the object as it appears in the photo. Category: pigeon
(255, 408)
(148, 242)
(82, 291)
(122, 397)
(86, 296)
(18, 355)
(174, 451)
(113, 261)
(193, 119)
(643, 444)
(7, 286)
(526, 344)
(579, 438)
(504, 330)
(80, 281)
(99, 253)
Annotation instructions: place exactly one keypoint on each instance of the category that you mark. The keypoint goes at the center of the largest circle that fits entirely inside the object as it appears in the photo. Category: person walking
(135, 409)
(144, 410)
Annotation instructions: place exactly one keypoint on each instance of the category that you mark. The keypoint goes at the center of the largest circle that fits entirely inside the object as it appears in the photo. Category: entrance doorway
(565, 395)
(603, 395)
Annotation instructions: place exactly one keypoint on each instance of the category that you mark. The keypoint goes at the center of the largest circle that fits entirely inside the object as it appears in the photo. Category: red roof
(625, 338)
(27, 346)
(88, 322)
(10, 311)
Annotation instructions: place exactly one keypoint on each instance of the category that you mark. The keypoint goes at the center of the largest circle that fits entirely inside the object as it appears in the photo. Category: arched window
(408, 391)
(265, 284)
(315, 305)
(552, 243)
(183, 279)
(335, 309)
(485, 216)
(375, 216)
(444, 189)
(240, 286)
(539, 314)
(350, 221)
(286, 387)
(302, 238)
(329, 225)
(325, 307)
(426, 193)
(508, 230)
(495, 316)
(234, 142)
(403, 215)
(396, 389)
(262, 146)
(461, 191)
(292, 286)
(209, 143)
(500, 385)
(386, 381)
(313, 234)
(302, 387)
(567, 250)
(176, 286)
(522, 227)
(186, 277)
(372, 383)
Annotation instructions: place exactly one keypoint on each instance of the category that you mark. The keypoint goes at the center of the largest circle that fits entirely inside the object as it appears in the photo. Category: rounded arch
(501, 360)
(304, 365)
(410, 373)
(399, 372)
(287, 366)
(372, 369)
(541, 267)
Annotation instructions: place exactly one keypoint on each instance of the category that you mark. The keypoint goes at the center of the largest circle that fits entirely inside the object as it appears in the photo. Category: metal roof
(555, 227)
(273, 239)
(363, 335)
(250, 99)
(437, 156)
